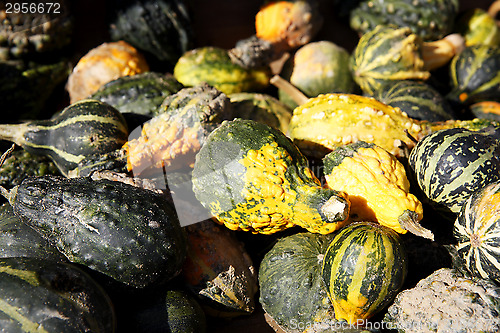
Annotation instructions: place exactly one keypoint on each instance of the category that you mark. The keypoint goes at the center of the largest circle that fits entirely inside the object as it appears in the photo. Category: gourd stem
(408, 221)
(9, 195)
(298, 96)
(335, 209)
(14, 133)
(493, 11)
(438, 53)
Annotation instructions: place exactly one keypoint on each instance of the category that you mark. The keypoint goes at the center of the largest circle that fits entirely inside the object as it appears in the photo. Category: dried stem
(298, 96)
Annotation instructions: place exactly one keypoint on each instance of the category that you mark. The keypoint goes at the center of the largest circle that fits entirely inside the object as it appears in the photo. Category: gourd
(451, 164)
(39, 295)
(219, 271)
(430, 20)
(33, 34)
(292, 292)
(377, 187)
(288, 24)
(331, 120)
(161, 29)
(364, 267)
(171, 139)
(102, 64)
(448, 302)
(142, 93)
(478, 27)
(122, 231)
(474, 75)
(81, 129)
(251, 177)
(389, 53)
(19, 240)
(262, 108)
(317, 68)
(214, 66)
(475, 232)
(418, 99)
(486, 110)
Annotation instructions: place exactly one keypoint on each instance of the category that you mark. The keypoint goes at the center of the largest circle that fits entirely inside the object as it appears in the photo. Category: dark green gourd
(126, 232)
(38, 295)
(83, 128)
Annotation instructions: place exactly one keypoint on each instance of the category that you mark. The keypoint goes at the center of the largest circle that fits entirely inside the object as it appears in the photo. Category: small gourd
(486, 110)
(478, 27)
(253, 178)
(364, 267)
(102, 64)
(376, 184)
(83, 128)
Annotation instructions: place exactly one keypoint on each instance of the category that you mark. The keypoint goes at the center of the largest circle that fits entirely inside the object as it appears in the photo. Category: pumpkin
(288, 24)
(102, 64)
(219, 271)
(389, 53)
(364, 267)
(292, 291)
(317, 68)
(418, 99)
(213, 65)
(161, 29)
(486, 110)
(431, 20)
(252, 177)
(171, 139)
(475, 231)
(376, 184)
(446, 301)
(331, 120)
(451, 164)
(474, 75)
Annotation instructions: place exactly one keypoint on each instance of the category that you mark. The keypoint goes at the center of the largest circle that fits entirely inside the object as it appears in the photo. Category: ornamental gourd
(252, 177)
(476, 231)
(376, 184)
(364, 267)
(451, 164)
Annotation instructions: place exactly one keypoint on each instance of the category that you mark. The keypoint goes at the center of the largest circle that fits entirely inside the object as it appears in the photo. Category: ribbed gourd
(364, 267)
(388, 53)
(292, 291)
(214, 66)
(475, 75)
(38, 295)
(429, 19)
(253, 178)
(451, 164)
(377, 186)
(331, 120)
(475, 231)
(83, 128)
(179, 128)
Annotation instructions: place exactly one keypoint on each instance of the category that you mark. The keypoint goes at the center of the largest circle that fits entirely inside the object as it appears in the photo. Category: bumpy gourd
(377, 186)
(252, 177)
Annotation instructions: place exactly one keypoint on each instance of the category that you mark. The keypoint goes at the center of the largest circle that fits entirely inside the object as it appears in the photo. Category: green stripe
(15, 313)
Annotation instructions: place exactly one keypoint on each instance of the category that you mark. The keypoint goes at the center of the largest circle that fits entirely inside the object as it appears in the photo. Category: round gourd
(430, 19)
(292, 291)
(474, 75)
(364, 267)
(478, 27)
(476, 231)
(486, 110)
(317, 68)
(451, 164)
(252, 177)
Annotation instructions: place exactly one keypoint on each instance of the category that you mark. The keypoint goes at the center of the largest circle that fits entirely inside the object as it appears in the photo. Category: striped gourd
(364, 268)
(83, 128)
(214, 66)
(477, 231)
(475, 75)
(38, 295)
(451, 164)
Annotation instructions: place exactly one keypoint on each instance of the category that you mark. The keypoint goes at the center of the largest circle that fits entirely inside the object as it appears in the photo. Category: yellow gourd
(377, 187)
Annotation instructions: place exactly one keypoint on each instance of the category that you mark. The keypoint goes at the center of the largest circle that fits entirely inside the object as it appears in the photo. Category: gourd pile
(287, 183)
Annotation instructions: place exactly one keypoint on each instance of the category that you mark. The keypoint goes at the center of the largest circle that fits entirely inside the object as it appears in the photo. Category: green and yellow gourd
(252, 177)
(376, 184)
(214, 66)
(478, 27)
(486, 110)
(476, 232)
(83, 128)
(364, 267)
